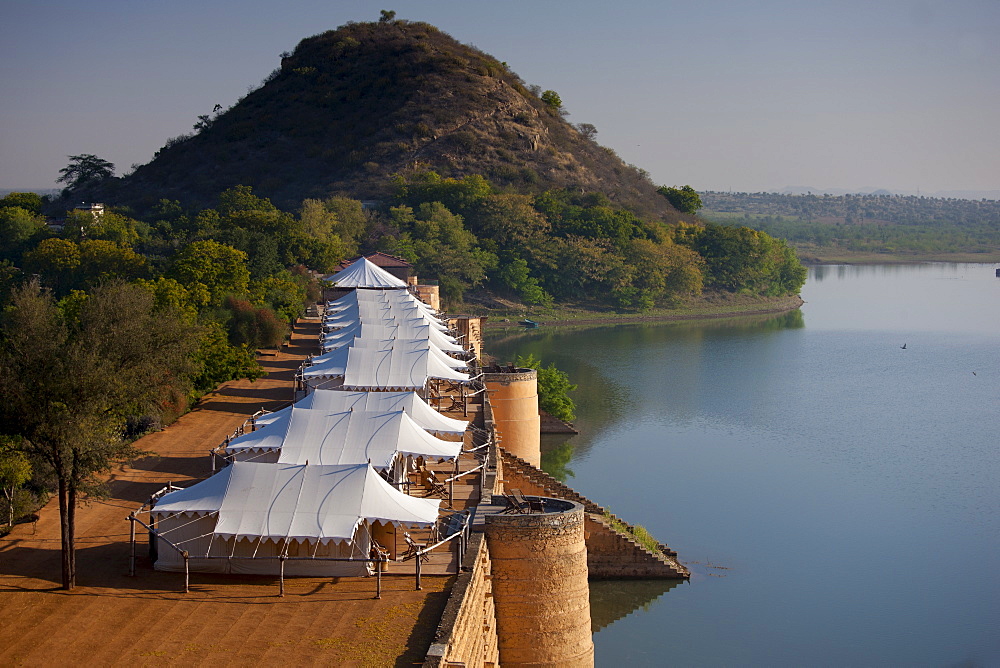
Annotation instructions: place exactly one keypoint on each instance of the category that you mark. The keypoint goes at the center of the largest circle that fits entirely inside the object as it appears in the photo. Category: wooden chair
(432, 484)
(380, 553)
(413, 548)
(513, 505)
(532, 505)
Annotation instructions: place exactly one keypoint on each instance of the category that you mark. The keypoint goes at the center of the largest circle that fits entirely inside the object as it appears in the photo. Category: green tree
(109, 226)
(84, 170)
(685, 199)
(281, 294)
(442, 247)
(552, 100)
(69, 388)
(217, 361)
(19, 229)
(31, 202)
(102, 260)
(15, 470)
(516, 277)
(507, 219)
(211, 271)
(553, 388)
(254, 327)
(56, 262)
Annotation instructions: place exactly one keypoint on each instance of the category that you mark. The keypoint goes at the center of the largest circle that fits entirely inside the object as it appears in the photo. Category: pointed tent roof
(399, 329)
(363, 273)
(392, 369)
(301, 502)
(383, 344)
(383, 296)
(409, 402)
(345, 437)
(375, 312)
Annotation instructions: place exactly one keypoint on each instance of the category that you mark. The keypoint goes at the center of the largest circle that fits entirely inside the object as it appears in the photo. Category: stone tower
(540, 588)
(514, 398)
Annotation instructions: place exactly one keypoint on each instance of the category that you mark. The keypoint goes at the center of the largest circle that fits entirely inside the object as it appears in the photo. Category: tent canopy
(404, 329)
(345, 437)
(391, 369)
(336, 401)
(402, 297)
(312, 503)
(363, 273)
(385, 344)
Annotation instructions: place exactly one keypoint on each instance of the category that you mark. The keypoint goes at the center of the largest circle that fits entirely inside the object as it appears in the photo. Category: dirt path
(114, 619)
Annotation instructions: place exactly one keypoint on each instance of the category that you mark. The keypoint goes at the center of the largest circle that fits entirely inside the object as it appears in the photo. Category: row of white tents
(307, 488)
(384, 340)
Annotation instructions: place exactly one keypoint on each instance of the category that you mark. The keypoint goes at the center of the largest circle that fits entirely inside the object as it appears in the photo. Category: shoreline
(774, 306)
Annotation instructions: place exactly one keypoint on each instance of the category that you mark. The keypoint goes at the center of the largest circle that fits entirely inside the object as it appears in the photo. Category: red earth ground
(114, 619)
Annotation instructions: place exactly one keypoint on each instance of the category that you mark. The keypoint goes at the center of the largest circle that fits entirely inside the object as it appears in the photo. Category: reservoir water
(836, 495)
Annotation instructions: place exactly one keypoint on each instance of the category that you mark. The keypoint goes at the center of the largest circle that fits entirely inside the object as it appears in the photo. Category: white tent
(410, 402)
(250, 511)
(389, 369)
(345, 437)
(383, 344)
(405, 329)
(363, 273)
(385, 313)
(381, 296)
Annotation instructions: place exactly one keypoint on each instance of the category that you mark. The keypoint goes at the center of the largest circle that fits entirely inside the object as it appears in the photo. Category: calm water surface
(837, 497)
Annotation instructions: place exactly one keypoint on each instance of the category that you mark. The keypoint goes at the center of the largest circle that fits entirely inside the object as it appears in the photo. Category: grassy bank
(841, 256)
(718, 305)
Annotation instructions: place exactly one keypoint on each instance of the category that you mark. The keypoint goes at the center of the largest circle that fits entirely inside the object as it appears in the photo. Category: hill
(352, 106)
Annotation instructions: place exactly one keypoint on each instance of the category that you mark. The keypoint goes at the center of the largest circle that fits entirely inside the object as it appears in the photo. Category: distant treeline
(864, 223)
(466, 233)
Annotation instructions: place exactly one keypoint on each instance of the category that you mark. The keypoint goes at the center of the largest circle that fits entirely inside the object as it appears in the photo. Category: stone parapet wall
(605, 543)
(467, 634)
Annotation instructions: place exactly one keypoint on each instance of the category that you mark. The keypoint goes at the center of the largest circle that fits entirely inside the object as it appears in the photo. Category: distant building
(95, 208)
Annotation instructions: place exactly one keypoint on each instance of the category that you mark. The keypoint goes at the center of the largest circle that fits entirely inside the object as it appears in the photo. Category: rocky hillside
(352, 106)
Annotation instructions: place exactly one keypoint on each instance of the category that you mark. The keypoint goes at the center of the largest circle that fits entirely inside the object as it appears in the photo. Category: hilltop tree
(552, 100)
(85, 169)
(69, 385)
(685, 199)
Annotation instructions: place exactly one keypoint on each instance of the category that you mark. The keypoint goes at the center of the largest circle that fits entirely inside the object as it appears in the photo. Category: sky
(744, 96)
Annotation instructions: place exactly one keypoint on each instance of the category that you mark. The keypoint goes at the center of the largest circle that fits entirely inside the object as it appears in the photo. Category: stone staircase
(613, 551)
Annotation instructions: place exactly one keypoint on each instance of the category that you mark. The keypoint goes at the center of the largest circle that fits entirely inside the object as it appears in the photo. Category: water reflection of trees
(557, 452)
(652, 370)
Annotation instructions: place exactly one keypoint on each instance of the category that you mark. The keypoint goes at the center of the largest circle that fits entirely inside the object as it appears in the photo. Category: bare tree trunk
(72, 536)
(64, 523)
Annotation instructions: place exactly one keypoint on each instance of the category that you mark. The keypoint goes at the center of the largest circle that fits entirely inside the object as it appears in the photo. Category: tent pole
(281, 576)
(187, 573)
(378, 576)
(131, 538)
(418, 559)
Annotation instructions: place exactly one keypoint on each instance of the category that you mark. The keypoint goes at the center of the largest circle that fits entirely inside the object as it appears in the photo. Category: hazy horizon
(724, 96)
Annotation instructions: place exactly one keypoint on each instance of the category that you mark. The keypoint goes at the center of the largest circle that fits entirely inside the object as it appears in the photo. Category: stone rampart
(467, 634)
